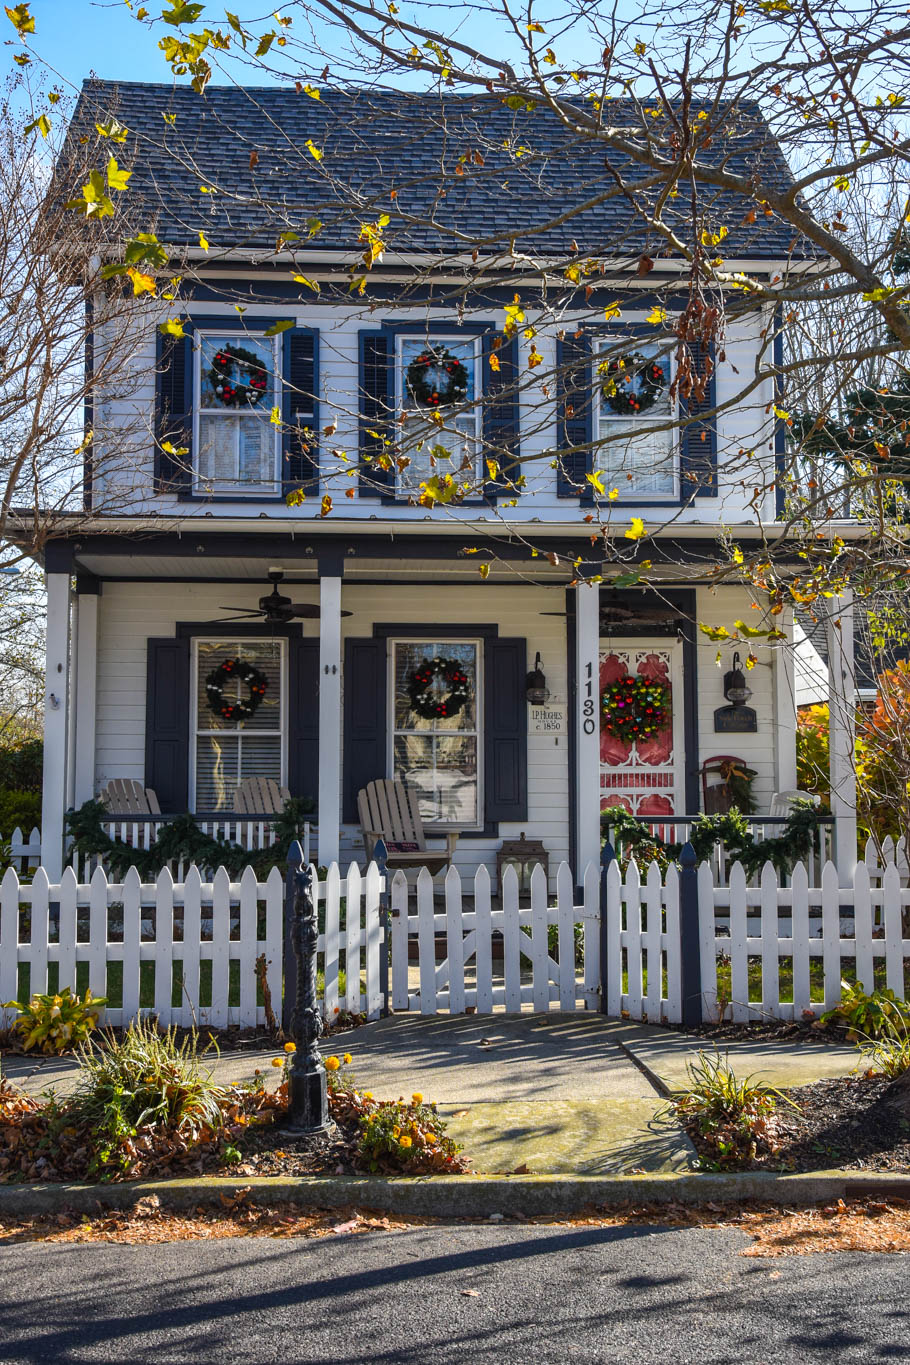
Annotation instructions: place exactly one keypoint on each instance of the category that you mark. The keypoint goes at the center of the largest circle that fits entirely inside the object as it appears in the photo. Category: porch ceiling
(197, 568)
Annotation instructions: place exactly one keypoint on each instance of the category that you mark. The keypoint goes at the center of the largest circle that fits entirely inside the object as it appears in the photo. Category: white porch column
(56, 692)
(329, 718)
(85, 655)
(785, 706)
(841, 731)
(587, 727)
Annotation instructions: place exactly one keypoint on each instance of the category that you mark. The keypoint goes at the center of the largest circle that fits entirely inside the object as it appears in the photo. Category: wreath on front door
(634, 708)
(235, 670)
(251, 382)
(437, 378)
(621, 393)
(425, 694)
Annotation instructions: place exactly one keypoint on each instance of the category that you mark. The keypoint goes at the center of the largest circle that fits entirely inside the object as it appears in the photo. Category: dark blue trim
(186, 630)
(432, 629)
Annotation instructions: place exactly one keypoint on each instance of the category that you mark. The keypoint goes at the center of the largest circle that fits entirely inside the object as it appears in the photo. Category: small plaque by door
(735, 720)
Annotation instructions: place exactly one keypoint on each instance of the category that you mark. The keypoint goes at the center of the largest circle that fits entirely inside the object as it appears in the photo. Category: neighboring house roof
(812, 656)
(374, 142)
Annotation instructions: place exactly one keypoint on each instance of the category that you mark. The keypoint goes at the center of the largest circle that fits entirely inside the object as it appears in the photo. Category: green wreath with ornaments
(426, 697)
(235, 670)
(634, 708)
(620, 392)
(437, 378)
(231, 393)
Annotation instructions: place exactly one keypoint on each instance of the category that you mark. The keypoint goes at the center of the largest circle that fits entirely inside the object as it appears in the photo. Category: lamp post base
(308, 1105)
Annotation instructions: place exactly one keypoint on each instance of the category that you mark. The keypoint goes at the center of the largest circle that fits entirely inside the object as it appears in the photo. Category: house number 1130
(588, 705)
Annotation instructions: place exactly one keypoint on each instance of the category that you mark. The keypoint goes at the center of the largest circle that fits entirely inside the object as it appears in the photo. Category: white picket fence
(146, 943)
(25, 852)
(186, 951)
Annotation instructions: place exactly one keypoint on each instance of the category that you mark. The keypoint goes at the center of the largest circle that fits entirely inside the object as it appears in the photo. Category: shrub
(21, 764)
(733, 1120)
(866, 1014)
(56, 1023)
(145, 1081)
(19, 808)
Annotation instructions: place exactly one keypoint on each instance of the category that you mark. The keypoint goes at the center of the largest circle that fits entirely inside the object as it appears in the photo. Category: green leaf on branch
(182, 14)
(42, 124)
(112, 129)
(714, 632)
(21, 20)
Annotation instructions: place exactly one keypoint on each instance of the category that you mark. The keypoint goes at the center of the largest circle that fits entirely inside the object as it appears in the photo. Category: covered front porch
(134, 627)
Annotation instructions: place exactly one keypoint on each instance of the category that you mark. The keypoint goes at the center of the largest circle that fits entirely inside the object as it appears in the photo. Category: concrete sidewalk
(548, 1093)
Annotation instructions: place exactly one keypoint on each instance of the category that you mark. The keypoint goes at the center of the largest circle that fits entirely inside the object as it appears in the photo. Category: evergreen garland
(732, 830)
(181, 838)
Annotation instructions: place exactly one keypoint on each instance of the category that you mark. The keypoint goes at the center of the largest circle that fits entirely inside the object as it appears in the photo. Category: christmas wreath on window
(622, 394)
(437, 378)
(425, 694)
(251, 382)
(235, 670)
(634, 708)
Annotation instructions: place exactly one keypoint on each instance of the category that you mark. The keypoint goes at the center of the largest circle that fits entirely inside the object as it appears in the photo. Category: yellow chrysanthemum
(367, 1094)
(417, 1098)
(290, 1047)
(347, 1059)
(430, 1139)
(405, 1141)
(332, 1064)
(277, 1061)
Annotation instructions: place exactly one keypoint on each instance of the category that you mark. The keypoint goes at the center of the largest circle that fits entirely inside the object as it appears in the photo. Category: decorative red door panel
(642, 760)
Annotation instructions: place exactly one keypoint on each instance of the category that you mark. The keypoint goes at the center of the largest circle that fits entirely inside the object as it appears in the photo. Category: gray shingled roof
(377, 141)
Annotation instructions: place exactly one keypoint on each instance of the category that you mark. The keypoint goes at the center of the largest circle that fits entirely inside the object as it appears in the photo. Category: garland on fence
(732, 830)
(181, 838)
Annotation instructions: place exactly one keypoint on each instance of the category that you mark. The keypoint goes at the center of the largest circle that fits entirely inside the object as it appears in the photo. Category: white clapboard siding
(455, 967)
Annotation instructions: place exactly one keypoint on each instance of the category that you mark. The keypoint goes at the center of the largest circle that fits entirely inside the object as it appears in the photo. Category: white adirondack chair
(782, 802)
(126, 796)
(260, 796)
(388, 810)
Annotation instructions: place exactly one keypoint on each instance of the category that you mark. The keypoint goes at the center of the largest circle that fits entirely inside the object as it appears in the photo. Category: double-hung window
(228, 749)
(435, 735)
(437, 385)
(636, 445)
(237, 384)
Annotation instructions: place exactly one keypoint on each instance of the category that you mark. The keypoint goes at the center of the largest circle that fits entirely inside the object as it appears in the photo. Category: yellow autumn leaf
(657, 316)
(636, 530)
(494, 361)
(613, 494)
(173, 328)
(310, 284)
(596, 480)
(483, 570)
(142, 284)
(275, 417)
(203, 241)
(325, 506)
(612, 310)
(314, 151)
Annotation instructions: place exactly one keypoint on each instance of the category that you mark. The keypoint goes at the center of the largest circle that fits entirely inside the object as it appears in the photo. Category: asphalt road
(543, 1294)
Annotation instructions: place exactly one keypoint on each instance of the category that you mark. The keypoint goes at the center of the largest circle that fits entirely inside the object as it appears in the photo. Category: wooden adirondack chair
(260, 796)
(389, 811)
(126, 796)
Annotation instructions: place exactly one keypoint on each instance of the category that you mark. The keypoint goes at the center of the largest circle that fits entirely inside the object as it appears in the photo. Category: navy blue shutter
(506, 729)
(573, 387)
(300, 410)
(303, 713)
(364, 749)
(698, 443)
(174, 413)
(375, 426)
(167, 723)
(501, 411)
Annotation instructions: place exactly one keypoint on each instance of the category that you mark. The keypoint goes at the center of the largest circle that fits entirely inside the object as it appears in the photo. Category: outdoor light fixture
(537, 692)
(735, 689)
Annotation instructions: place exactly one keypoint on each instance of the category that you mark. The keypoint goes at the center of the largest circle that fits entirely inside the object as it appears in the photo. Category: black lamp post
(308, 1107)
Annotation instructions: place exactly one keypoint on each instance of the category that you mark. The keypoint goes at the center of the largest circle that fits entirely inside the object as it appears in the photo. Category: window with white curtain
(430, 446)
(237, 383)
(224, 751)
(438, 759)
(638, 459)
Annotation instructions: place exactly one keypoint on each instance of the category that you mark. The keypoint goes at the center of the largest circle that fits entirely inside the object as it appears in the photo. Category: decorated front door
(642, 759)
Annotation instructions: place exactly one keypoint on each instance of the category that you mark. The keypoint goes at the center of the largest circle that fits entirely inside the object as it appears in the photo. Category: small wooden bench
(389, 811)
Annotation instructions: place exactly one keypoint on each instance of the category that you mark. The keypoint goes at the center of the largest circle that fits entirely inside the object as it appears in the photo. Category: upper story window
(237, 383)
(438, 378)
(632, 404)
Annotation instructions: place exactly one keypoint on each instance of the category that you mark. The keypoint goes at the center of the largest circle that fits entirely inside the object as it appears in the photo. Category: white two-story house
(405, 606)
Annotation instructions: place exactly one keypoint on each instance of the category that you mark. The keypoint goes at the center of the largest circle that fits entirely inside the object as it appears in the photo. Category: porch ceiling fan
(276, 609)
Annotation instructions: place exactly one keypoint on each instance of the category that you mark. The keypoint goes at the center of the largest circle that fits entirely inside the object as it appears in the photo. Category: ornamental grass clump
(732, 1122)
(888, 1054)
(140, 1086)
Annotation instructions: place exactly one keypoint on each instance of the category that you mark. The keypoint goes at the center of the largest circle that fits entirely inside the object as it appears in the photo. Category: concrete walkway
(545, 1093)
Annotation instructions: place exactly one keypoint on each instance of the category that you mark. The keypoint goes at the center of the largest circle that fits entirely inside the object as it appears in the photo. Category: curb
(463, 1196)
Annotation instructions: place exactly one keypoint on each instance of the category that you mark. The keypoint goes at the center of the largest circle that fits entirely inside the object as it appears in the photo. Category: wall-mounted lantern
(737, 718)
(536, 689)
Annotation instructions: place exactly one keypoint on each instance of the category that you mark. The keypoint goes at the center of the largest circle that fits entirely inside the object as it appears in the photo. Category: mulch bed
(224, 1040)
(833, 1123)
(763, 1031)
